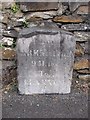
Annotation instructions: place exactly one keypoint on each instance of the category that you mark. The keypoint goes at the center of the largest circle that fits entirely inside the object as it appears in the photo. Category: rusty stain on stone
(68, 19)
(82, 64)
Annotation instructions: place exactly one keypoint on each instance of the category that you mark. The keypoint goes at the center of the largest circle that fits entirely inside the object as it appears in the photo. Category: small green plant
(15, 8)
(14, 43)
(1, 46)
(25, 23)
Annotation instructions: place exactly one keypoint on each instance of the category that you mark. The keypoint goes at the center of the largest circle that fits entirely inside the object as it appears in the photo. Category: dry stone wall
(68, 16)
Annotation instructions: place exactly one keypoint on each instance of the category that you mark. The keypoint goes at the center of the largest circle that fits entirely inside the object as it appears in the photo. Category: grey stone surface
(10, 33)
(83, 36)
(76, 27)
(6, 64)
(87, 48)
(44, 15)
(75, 4)
(45, 59)
(34, 6)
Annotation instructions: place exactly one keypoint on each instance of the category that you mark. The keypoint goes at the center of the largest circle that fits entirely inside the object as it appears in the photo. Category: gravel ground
(73, 105)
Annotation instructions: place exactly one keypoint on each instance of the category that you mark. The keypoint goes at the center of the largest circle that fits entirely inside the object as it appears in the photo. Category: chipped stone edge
(41, 30)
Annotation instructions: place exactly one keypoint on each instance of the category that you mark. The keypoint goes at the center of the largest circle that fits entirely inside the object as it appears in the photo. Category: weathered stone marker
(45, 59)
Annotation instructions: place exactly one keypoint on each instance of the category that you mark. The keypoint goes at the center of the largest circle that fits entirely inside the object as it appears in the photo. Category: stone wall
(72, 17)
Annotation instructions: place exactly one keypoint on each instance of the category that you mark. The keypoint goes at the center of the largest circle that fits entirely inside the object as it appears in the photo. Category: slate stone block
(38, 6)
(45, 60)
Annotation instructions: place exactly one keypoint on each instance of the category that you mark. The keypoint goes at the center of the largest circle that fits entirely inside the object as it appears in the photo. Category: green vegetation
(1, 46)
(25, 23)
(14, 43)
(15, 8)
(12, 46)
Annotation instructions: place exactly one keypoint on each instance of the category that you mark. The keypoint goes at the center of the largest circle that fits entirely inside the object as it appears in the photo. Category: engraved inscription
(44, 53)
(45, 62)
